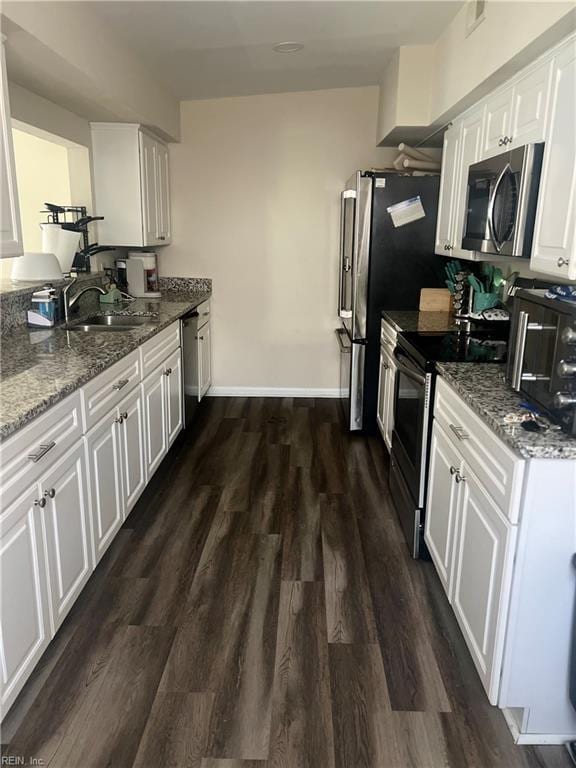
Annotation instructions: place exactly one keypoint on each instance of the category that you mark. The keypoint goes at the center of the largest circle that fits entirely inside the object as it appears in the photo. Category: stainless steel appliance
(501, 202)
(190, 364)
(415, 355)
(387, 230)
(542, 360)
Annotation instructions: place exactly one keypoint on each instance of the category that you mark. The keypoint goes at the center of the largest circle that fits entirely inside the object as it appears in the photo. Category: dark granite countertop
(413, 320)
(483, 388)
(40, 367)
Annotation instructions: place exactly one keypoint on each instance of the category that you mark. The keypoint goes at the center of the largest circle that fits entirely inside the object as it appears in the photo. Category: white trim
(272, 392)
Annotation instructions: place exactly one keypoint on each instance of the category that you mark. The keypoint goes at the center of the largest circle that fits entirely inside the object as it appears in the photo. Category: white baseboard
(272, 392)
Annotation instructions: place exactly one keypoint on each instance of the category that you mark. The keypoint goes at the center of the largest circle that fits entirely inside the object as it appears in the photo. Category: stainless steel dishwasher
(191, 366)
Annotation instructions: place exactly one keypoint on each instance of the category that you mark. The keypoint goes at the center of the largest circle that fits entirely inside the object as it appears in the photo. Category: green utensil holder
(484, 301)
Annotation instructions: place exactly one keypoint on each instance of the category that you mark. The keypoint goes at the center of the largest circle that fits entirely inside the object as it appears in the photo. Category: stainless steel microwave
(501, 202)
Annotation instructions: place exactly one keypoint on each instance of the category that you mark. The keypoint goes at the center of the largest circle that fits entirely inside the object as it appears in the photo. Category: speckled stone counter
(484, 389)
(413, 320)
(40, 367)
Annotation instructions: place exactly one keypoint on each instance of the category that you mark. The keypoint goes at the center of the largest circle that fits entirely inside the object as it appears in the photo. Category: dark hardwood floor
(259, 609)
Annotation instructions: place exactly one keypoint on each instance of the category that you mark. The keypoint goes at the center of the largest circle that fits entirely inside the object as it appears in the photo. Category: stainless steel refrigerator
(387, 231)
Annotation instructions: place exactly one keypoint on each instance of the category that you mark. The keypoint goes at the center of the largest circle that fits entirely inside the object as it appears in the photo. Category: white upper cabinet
(131, 185)
(529, 106)
(554, 245)
(10, 229)
(538, 105)
(498, 113)
(470, 150)
(450, 159)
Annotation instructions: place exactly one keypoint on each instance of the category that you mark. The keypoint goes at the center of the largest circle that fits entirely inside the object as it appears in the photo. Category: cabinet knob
(51, 493)
(40, 502)
(168, 371)
(125, 415)
(562, 262)
(119, 419)
(201, 338)
(500, 142)
(453, 470)
(460, 478)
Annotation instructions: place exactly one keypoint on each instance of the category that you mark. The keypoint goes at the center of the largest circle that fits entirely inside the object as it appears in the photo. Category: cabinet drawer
(203, 313)
(499, 470)
(28, 453)
(104, 392)
(157, 349)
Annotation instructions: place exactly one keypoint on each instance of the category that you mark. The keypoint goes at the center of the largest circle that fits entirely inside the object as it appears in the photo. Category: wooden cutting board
(435, 300)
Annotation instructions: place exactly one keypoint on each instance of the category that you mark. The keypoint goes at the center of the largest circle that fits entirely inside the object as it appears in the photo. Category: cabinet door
(155, 431)
(174, 395)
(498, 120)
(106, 497)
(482, 577)
(529, 106)
(442, 507)
(65, 527)
(381, 407)
(205, 361)
(132, 450)
(24, 602)
(163, 180)
(554, 246)
(10, 229)
(149, 176)
(470, 150)
(450, 160)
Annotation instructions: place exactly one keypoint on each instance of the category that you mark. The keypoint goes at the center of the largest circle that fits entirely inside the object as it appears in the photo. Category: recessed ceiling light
(288, 47)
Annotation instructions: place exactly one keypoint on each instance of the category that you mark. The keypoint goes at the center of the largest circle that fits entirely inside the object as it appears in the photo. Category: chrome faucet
(69, 303)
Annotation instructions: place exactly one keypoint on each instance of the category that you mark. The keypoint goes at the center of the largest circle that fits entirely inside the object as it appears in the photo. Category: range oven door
(501, 202)
(352, 356)
(411, 423)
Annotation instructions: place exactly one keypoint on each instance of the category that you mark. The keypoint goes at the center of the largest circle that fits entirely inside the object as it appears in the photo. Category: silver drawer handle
(459, 432)
(460, 478)
(453, 470)
(562, 262)
(121, 383)
(50, 493)
(44, 448)
(40, 502)
(119, 419)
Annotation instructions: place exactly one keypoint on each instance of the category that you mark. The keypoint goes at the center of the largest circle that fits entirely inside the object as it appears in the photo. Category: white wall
(511, 35)
(255, 205)
(67, 53)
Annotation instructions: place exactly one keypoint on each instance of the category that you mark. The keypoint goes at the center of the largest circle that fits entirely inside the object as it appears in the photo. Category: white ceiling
(212, 49)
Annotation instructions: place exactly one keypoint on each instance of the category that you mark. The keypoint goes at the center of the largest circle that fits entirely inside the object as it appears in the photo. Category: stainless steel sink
(111, 323)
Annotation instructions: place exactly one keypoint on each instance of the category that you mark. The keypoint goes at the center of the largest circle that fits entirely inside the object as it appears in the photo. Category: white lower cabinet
(440, 524)
(132, 448)
(106, 494)
(174, 395)
(154, 397)
(470, 540)
(482, 577)
(68, 480)
(24, 600)
(66, 532)
(386, 387)
(204, 361)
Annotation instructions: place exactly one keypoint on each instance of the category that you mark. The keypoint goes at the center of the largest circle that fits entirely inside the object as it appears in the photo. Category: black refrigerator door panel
(402, 261)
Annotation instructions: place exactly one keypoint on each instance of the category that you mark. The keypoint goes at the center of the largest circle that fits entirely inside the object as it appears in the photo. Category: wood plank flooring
(259, 609)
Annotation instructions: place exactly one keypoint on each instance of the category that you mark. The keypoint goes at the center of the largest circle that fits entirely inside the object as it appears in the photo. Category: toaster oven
(542, 355)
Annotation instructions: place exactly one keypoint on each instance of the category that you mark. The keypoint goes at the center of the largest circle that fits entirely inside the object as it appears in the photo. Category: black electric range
(415, 358)
(473, 346)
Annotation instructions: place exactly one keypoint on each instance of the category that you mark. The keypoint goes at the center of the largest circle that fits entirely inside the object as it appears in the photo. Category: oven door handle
(405, 366)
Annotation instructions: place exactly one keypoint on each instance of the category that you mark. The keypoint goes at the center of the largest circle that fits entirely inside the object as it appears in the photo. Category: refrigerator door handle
(345, 262)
